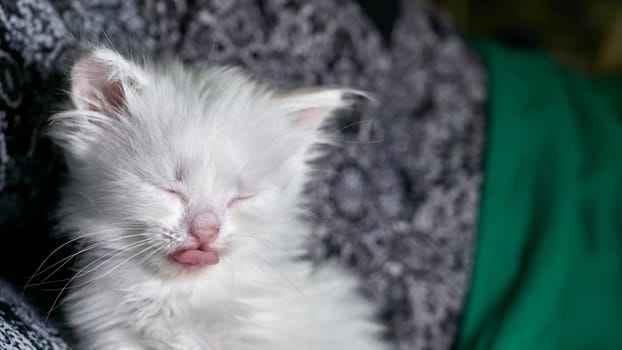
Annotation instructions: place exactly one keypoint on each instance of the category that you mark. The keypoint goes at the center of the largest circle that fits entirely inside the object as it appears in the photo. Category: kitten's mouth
(196, 257)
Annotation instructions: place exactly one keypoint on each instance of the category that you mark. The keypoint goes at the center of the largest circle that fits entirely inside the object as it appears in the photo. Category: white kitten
(185, 186)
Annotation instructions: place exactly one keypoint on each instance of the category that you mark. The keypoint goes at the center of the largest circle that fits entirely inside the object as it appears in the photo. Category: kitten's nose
(204, 227)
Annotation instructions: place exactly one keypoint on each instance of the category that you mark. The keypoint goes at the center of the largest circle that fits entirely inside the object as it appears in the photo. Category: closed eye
(182, 197)
(238, 200)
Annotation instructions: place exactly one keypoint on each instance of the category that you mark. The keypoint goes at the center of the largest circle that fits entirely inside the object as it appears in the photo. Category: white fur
(213, 135)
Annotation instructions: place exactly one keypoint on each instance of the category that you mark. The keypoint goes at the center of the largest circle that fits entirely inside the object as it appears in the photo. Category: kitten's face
(176, 169)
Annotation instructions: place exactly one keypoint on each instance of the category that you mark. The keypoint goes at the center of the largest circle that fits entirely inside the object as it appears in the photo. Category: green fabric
(548, 262)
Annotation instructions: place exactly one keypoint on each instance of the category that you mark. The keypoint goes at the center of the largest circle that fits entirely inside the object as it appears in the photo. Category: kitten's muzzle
(199, 252)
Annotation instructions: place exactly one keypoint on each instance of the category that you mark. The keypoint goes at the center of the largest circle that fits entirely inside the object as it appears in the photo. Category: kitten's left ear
(307, 109)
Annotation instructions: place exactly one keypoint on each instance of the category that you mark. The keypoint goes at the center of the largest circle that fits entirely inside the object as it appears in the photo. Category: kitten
(185, 186)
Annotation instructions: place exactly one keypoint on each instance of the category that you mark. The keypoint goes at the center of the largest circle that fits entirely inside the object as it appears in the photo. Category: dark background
(586, 34)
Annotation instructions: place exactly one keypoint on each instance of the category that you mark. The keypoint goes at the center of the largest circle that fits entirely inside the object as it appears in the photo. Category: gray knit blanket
(395, 200)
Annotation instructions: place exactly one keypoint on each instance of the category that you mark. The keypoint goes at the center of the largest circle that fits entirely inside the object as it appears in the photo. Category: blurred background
(585, 34)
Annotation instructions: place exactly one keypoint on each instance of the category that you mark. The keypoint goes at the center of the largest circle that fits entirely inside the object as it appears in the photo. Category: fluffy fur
(148, 146)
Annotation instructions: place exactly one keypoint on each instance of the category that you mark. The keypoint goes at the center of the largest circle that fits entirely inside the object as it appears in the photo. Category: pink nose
(204, 227)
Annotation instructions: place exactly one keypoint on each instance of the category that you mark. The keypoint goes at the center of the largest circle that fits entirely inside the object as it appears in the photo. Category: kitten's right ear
(102, 82)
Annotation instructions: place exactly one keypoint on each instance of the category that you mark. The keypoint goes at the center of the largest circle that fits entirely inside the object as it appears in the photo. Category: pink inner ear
(94, 88)
(114, 94)
(309, 117)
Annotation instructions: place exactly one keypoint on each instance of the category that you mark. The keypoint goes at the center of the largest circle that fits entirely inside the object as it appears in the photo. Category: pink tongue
(197, 257)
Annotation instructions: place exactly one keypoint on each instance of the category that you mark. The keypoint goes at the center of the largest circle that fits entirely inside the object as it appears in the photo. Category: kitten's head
(175, 168)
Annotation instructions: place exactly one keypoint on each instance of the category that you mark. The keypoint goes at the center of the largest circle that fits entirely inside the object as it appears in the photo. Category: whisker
(56, 250)
(82, 271)
(109, 271)
(118, 253)
(54, 306)
(90, 247)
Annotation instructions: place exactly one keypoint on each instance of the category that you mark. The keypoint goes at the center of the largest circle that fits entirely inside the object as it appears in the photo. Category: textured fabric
(33, 39)
(395, 201)
(548, 267)
(21, 328)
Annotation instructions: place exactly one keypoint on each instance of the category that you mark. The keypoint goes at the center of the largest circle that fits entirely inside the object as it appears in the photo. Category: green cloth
(548, 262)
